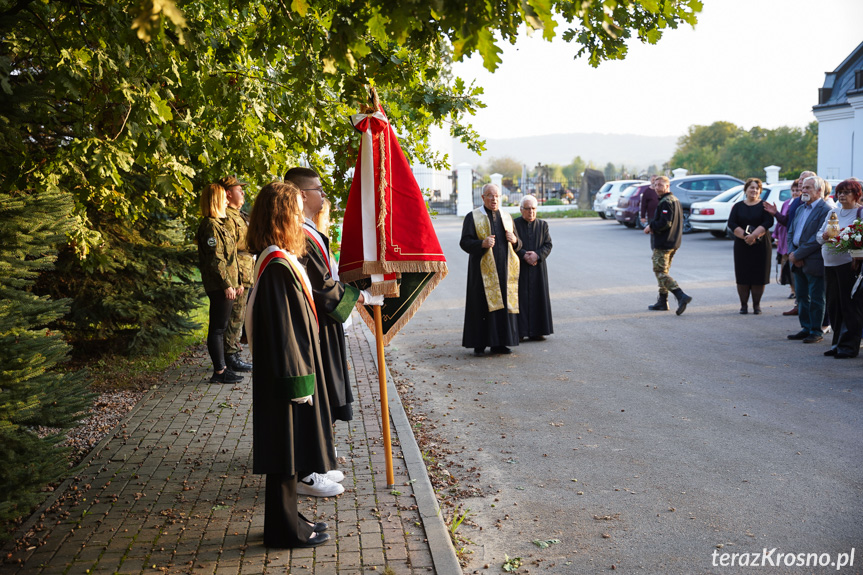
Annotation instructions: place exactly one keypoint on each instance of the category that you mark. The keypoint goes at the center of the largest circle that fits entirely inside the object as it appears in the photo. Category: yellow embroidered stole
(488, 269)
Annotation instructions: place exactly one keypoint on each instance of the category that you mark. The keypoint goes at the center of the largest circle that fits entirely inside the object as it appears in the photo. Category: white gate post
(771, 174)
(465, 189)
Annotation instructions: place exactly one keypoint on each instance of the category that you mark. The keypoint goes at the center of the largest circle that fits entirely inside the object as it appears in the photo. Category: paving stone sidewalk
(171, 491)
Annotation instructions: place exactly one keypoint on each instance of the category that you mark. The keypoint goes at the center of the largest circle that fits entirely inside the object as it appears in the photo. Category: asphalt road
(643, 441)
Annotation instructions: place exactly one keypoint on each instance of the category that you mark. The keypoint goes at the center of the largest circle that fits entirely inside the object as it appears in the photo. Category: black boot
(682, 300)
(661, 303)
(236, 364)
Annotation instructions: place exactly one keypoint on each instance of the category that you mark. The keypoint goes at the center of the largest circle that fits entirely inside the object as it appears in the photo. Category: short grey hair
(528, 197)
(488, 187)
(817, 183)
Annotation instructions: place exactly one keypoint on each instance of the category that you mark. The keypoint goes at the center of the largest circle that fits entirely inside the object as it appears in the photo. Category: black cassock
(481, 327)
(288, 438)
(534, 305)
(334, 302)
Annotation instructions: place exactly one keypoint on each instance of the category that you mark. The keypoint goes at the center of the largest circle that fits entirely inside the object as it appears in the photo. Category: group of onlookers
(823, 279)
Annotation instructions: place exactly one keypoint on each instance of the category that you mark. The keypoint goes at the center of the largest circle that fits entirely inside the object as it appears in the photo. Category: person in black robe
(334, 302)
(486, 229)
(292, 430)
(534, 305)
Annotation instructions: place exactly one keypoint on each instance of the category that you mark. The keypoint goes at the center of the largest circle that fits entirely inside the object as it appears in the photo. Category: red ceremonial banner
(389, 245)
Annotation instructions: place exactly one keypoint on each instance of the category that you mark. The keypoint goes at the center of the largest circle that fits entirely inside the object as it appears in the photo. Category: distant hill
(627, 149)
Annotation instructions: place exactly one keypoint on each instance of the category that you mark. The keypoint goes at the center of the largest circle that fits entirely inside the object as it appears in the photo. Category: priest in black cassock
(491, 306)
(534, 314)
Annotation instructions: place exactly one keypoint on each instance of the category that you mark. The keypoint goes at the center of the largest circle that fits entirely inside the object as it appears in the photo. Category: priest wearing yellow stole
(491, 307)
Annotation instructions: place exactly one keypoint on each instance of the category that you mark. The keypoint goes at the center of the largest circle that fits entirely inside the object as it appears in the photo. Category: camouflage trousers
(235, 326)
(661, 263)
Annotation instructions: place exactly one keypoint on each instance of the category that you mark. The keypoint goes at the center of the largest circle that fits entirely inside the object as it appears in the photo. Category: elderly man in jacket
(805, 257)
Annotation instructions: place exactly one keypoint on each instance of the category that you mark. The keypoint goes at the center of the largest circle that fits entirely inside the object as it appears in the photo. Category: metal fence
(546, 191)
(439, 187)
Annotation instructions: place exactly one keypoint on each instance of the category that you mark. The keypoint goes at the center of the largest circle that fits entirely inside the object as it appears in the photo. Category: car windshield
(628, 191)
(604, 188)
(728, 195)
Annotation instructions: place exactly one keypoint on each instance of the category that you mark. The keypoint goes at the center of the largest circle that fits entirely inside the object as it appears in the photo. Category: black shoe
(318, 539)
(537, 338)
(843, 355)
(226, 376)
(814, 338)
(236, 364)
(501, 349)
(756, 310)
(831, 351)
(792, 296)
(744, 311)
(661, 303)
(478, 351)
(319, 527)
(682, 300)
(802, 334)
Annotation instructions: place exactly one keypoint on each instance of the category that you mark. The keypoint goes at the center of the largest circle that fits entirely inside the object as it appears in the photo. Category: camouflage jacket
(238, 222)
(217, 255)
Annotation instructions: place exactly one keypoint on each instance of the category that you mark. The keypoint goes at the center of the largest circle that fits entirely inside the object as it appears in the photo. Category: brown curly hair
(277, 219)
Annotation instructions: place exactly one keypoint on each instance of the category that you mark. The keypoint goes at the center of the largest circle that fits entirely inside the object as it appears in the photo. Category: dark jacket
(667, 223)
(649, 199)
(809, 249)
(787, 218)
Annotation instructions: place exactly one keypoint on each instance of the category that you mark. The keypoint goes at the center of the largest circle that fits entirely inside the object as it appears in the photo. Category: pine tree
(38, 400)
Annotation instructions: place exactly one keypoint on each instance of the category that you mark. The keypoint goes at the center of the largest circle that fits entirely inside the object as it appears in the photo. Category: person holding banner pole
(334, 302)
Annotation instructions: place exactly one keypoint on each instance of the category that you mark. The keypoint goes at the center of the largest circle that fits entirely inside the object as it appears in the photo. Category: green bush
(38, 400)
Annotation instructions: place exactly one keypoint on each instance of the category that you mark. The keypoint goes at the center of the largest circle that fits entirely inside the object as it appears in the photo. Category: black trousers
(220, 317)
(845, 313)
(284, 527)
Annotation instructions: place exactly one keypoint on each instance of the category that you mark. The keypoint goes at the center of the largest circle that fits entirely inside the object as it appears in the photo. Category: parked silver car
(699, 188)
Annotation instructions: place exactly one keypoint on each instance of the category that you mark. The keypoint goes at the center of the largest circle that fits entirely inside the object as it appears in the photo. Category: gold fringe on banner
(369, 268)
(389, 288)
(404, 319)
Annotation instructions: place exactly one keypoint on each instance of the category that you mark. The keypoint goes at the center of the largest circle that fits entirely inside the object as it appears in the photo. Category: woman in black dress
(749, 222)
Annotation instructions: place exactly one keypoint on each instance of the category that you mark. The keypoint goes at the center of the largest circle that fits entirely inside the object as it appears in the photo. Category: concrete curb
(440, 544)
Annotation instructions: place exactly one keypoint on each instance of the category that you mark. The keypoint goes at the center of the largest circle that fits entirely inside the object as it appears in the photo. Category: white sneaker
(318, 485)
(335, 475)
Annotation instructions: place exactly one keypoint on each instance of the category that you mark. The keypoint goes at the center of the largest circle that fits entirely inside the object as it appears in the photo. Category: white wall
(835, 133)
(440, 142)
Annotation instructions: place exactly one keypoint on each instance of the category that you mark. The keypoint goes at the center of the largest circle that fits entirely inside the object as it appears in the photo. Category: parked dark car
(629, 208)
(699, 188)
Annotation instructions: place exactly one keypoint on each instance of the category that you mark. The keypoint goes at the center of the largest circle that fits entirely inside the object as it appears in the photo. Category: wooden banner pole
(385, 410)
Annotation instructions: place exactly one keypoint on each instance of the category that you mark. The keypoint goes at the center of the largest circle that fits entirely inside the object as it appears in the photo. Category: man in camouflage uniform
(237, 223)
(667, 229)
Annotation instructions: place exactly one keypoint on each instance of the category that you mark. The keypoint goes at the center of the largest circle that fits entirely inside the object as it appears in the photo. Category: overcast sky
(750, 62)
